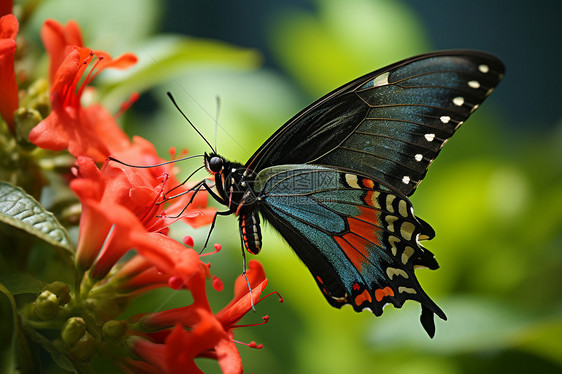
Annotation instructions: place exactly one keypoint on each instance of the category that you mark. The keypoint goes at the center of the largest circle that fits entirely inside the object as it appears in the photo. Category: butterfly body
(335, 179)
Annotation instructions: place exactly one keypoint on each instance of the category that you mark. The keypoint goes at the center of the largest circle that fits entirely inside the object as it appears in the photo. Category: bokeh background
(494, 196)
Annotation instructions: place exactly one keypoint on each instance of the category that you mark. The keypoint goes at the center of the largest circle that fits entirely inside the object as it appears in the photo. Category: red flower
(182, 334)
(56, 38)
(121, 212)
(8, 86)
(90, 131)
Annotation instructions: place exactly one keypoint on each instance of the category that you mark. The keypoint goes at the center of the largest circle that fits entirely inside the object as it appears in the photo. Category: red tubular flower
(183, 334)
(9, 27)
(120, 212)
(90, 131)
(122, 209)
(56, 38)
(241, 304)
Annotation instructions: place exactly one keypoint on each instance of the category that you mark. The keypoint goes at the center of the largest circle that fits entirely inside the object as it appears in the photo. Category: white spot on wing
(429, 137)
(484, 68)
(408, 252)
(352, 180)
(391, 272)
(406, 290)
(418, 157)
(474, 84)
(445, 119)
(406, 179)
(403, 208)
(390, 224)
(458, 101)
(389, 200)
(407, 229)
(381, 80)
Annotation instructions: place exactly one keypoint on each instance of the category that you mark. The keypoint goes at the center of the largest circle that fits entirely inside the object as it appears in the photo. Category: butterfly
(335, 179)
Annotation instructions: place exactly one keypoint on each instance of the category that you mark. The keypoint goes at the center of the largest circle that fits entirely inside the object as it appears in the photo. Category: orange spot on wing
(365, 225)
(320, 280)
(364, 296)
(368, 183)
(371, 199)
(354, 248)
(381, 293)
(363, 236)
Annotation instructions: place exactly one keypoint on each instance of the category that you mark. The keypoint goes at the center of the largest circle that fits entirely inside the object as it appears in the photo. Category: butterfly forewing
(391, 123)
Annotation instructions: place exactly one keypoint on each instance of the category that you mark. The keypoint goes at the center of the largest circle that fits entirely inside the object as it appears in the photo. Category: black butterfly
(335, 179)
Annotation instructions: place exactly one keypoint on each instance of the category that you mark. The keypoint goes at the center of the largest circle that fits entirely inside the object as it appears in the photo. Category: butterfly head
(214, 163)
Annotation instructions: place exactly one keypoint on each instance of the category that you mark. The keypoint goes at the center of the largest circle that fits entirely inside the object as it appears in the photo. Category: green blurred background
(493, 197)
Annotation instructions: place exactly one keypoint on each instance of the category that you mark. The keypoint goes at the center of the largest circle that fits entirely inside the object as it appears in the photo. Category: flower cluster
(123, 247)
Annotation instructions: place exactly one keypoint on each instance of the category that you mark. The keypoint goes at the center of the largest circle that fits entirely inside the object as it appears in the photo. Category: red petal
(49, 134)
(142, 196)
(126, 60)
(8, 86)
(56, 38)
(255, 274)
(9, 27)
(228, 357)
(238, 307)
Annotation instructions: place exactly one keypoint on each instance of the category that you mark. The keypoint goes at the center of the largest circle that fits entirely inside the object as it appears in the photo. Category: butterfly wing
(391, 123)
(358, 237)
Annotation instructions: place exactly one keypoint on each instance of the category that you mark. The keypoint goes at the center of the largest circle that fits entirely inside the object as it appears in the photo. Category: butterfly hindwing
(390, 123)
(358, 237)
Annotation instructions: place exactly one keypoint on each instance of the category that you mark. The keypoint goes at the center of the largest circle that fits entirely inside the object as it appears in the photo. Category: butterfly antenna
(217, 120)
(155, 165)
(187, 119)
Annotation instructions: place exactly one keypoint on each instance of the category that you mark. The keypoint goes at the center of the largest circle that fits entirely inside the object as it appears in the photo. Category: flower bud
(25, 120)
(73, 329)
(61, 290)
(84, 348)
(114, 330)
(46, 305)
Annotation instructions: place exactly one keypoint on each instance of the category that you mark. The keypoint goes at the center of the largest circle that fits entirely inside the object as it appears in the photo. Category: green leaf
(18, 282)
(165, 59)
(18, 209)
(55, 349)
(7, 330)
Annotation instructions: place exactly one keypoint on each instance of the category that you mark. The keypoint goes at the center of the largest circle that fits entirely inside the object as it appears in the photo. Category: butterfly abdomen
(250, 231)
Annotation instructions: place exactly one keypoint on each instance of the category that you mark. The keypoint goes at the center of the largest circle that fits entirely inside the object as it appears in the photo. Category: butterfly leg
(245, 276)
(224, 213)
(166, 198)
(195, 189)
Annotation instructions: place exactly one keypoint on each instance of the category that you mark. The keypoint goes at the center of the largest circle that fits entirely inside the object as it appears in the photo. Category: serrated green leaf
(18, 209)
